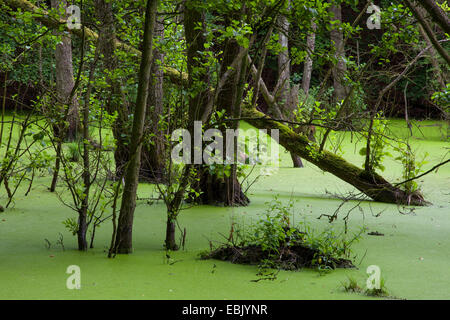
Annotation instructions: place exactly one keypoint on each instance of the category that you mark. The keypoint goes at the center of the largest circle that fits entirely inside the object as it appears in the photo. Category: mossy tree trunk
(371, 184)
(123, 242)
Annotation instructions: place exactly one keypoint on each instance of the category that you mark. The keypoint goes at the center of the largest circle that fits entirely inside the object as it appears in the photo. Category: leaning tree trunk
(123, 242)
(440, 76)
(371, 184)
(430, 33)
(437, 14)
(153, 152)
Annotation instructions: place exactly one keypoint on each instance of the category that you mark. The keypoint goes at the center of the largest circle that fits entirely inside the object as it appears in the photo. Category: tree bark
(115, 101)
(81, 232)
(284, 77)
(170, 242)
(339, 69)
(153, 152)
(371, 184)
(123, 243)
(65, 81)
(437, 14)
(308, 65)
(444, 54)
(226, 190)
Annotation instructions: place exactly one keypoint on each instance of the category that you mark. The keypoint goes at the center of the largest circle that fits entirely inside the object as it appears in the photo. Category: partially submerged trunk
(215, 190)
(371, 184)
(82, 231)
(227, 190)
(123, 243)
(170, 242)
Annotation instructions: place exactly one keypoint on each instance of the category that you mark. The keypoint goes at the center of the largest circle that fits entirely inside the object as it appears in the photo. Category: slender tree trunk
(123, 243)
(308, 65)
(153, 153)
(65, 81)
(84, 209)
(57, 165)
(64, 86)
(339, 69)
(284, 64)
(284, 77)
(116, 101)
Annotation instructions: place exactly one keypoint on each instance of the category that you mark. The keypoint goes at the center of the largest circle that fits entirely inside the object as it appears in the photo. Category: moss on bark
(371, 184)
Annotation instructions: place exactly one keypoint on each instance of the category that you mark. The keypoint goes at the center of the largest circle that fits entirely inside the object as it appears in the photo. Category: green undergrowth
(275, 242)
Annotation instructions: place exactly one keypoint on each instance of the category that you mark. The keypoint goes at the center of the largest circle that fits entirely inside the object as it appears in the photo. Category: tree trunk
(440, 76)
(308, 65)
(170, 243)
(123, 243)
(214, 190)
(57, 166)
(153, 154)
(371, 184)
(82, 230)
(339, 69)
(65, 81)
(426, 27)
(284, 77)
(227, 190)
(115, 101)
(437, 14)
(296, 161)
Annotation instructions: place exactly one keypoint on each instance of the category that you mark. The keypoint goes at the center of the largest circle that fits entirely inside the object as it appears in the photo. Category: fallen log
(371, 184)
